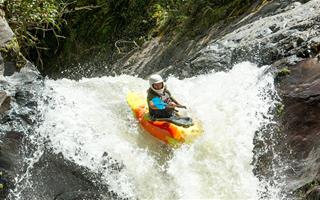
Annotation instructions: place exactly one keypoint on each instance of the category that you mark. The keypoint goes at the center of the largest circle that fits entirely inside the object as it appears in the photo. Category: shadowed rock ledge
(300, 126)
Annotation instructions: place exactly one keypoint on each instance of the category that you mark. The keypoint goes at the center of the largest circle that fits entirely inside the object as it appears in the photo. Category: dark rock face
(9, 160)
(10, 68)
(54, 177)
(301, 96)
(300, 127)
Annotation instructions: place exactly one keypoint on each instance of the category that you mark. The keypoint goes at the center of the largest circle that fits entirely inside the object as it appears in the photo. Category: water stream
(86, 119)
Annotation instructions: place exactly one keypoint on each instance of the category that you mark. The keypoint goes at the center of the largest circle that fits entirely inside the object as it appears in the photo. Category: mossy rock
(11, 53)
(282, 73)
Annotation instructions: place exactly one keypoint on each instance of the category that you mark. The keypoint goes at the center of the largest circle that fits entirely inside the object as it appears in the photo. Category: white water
(89, 117)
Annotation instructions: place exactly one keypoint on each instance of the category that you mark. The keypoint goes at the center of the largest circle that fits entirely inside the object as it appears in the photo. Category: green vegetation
(31, 20)
(279, 109)
(1, 185)
(72, 30)
(12, 52)
(138, 20)
(283, 72)
(302, 191)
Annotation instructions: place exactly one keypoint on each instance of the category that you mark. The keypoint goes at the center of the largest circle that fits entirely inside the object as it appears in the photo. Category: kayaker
(160, 102)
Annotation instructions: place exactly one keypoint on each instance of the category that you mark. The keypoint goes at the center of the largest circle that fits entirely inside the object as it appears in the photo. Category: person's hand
(172, 105)
(181, 106)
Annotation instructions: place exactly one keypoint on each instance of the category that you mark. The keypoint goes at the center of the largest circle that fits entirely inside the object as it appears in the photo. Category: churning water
(86, 118)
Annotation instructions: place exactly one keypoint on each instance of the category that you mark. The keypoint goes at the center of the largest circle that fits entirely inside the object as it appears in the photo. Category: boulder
(54, 177)
(10, 160)
(299, 143)
(300, 92)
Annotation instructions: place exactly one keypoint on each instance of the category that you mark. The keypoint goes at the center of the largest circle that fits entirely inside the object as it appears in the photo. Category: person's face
(158, 86)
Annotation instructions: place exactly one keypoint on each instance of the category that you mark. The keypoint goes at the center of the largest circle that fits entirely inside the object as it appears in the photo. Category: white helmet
(156, 78)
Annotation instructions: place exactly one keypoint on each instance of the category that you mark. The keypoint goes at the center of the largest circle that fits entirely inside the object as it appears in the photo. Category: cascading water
(88, 119)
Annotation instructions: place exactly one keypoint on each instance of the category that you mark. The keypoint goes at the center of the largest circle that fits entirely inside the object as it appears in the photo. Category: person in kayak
(161, 103)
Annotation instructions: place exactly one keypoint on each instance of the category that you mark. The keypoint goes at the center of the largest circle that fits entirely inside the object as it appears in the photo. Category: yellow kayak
(163, 130)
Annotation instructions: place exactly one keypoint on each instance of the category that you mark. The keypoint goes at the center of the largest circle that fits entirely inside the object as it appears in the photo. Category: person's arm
(174, 100)
(177, 104)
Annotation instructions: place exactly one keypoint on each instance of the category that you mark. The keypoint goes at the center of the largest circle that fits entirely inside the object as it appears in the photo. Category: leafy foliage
(31, 20)
(92, 26)
(138, 20)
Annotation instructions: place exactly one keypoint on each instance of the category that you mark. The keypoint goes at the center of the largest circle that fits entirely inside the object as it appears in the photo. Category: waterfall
(88, 119)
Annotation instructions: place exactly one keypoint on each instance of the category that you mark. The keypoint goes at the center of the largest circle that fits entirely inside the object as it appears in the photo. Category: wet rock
(300, 127)
(301, 97)
(10, 159)
(9, 68)
(14, 135)
(24, 89)
(154, 56)
(4, 102)
(54, 177)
